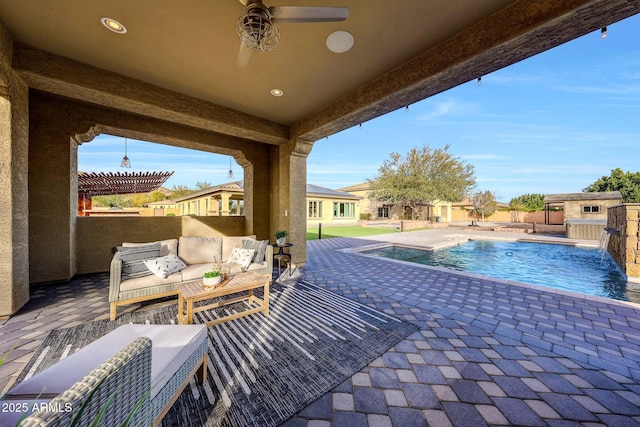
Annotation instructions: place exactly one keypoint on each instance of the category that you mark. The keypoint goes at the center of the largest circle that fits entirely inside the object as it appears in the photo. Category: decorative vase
(211, 281)
(281, 241)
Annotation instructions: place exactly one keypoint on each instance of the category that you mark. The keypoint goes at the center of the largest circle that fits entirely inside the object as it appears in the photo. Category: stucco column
(224, 210)
(14, 198)
(53, 191)
(289, 185)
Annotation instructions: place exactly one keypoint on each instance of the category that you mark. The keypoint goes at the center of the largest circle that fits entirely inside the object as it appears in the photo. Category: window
(383, 212)
(344, 210)
(591, 209)
(315, 209)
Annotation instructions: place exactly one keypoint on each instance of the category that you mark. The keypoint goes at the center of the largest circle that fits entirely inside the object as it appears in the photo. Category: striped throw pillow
(133, 259)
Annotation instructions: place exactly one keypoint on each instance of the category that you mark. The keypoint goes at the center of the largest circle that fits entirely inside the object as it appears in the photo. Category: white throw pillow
(165, 266)
(241, 256)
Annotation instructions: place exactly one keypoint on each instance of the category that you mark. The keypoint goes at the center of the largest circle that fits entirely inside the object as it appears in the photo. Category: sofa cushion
(230, 242)
(197, 250)
(133, 259)
(259, 246)
(195, 271)
(165, 266)
(171, 347)
(149, 282)
(169, 246)
(241, 256)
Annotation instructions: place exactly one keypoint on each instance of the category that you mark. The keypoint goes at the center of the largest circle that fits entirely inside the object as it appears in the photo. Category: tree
(156, 196)
(528, 203)
(203, 185)
(484, 203)
(114, 200)
(423, 175)
(178, 191)
(627, 183)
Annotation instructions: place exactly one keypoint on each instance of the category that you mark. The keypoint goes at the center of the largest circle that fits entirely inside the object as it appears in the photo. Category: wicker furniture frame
(194, 291)
(118, 297)
(122, 383)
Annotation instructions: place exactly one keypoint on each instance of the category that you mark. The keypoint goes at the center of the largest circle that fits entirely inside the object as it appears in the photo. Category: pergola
(172, 79)
(107, 183)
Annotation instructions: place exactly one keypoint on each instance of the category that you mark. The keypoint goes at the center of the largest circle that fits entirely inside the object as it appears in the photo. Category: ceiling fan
(257, 31)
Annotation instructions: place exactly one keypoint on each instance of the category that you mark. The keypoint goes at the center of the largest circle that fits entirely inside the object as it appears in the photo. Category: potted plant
(211, 278)
(281, 236)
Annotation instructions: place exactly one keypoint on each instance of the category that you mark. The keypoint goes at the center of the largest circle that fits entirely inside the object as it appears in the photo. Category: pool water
(572, 268)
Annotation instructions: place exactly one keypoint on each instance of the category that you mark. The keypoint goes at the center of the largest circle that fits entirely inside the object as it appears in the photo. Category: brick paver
(490, 352)
(487, 353)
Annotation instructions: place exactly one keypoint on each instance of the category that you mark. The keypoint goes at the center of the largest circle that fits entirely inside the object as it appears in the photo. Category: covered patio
(485, 352)
(173, 78)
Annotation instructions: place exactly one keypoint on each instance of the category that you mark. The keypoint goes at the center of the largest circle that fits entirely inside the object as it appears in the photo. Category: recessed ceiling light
(113, 25)
(340, 41)
(277, 92)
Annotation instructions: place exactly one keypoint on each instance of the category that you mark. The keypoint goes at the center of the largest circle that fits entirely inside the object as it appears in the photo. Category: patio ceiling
(177, 62)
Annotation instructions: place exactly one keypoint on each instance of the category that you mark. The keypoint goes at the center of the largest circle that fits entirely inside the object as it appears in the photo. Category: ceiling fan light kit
(257, 31)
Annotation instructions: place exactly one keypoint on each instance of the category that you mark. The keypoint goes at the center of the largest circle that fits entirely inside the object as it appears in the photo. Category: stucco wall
(97, 237)
(14, 131)
(56, 253)
(573, 209)
(624, 247)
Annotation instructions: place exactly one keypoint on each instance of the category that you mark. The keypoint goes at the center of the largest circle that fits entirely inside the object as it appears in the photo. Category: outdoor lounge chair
(135, 371)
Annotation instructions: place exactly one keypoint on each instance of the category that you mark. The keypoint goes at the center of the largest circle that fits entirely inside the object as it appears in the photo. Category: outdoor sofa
(178, 260)
(135, 371)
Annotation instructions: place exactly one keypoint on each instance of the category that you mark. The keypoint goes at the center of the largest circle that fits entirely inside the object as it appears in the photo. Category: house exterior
(328, 206)
(583, 206)
(220, 200)
(324, 205)
(162, 208)
(436, 210)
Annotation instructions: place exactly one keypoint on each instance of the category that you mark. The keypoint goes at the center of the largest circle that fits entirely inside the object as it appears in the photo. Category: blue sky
(553, 123)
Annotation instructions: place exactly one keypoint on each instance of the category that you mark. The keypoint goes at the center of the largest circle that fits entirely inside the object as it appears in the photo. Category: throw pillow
(199, 250)
(165, 266)
(133, 259)
(241, 256)
(168, 246)
(260, 246)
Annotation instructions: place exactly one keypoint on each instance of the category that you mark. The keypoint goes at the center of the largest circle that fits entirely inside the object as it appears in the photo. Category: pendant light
(230, 175)
(125, 163)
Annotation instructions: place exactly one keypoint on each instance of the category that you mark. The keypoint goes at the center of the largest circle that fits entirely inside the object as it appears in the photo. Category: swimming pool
(558, 266)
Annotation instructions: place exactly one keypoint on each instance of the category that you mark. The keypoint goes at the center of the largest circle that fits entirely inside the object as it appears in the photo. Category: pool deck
(488, 352)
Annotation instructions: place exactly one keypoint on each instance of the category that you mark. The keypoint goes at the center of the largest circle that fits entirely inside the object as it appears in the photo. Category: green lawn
(347, 231)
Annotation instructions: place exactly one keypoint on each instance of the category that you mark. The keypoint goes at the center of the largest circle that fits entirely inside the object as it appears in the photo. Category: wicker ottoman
(135, 369)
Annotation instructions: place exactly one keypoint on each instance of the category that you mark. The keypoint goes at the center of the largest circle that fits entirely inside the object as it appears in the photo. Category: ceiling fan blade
(244, 55)
(308, 14)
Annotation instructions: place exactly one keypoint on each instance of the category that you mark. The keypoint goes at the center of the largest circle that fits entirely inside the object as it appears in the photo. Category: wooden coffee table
(190, 292)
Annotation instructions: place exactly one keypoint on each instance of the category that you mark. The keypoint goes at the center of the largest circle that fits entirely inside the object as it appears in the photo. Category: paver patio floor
(488, 352)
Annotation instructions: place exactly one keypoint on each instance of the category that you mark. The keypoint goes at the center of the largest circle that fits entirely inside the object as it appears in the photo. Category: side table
(281, 253)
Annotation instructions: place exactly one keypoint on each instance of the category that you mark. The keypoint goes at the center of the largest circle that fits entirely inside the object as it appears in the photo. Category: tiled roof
(356, 187)
(601, 195)
(237, 186)
(316, 190)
